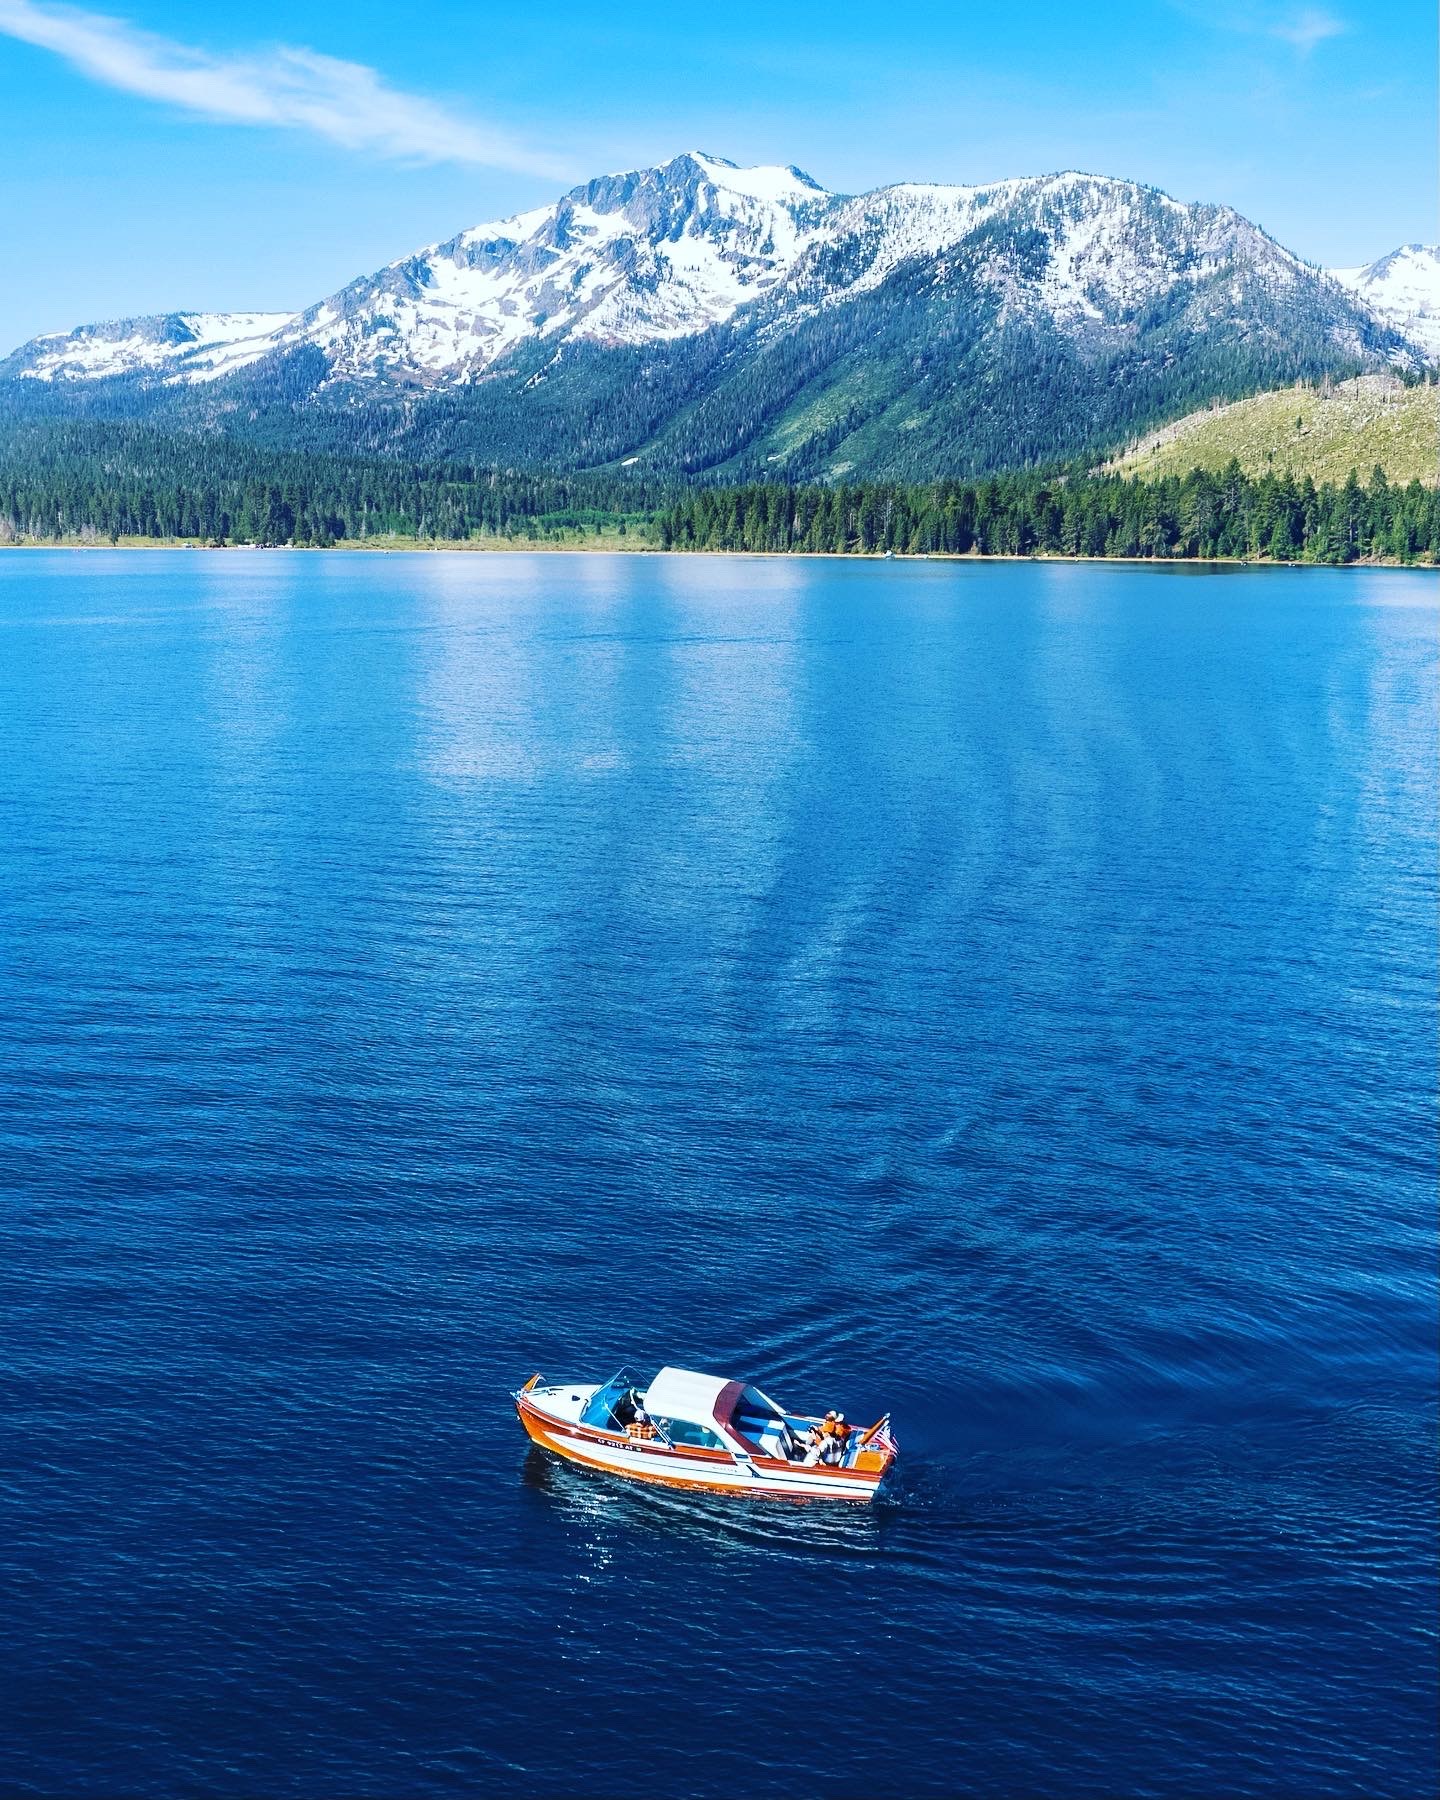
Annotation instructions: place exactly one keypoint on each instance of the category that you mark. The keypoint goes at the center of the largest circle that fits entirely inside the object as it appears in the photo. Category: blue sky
(164, 156)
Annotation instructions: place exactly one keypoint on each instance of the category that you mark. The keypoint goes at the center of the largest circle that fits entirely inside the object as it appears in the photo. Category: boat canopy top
(687, 1394)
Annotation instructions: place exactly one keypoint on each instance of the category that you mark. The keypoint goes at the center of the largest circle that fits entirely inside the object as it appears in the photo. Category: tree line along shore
(123, 486)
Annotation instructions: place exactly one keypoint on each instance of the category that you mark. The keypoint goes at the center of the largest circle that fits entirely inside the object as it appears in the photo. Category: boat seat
(773, 1437)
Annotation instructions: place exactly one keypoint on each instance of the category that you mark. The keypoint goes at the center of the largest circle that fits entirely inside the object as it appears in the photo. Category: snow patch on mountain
(1403, 289)
(770, 185)
(176, 346)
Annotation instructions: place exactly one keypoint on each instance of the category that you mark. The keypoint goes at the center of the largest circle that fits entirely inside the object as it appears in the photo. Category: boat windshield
(600, 1407)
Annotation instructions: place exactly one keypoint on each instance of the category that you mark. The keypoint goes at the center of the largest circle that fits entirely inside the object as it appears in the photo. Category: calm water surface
(1002, 994)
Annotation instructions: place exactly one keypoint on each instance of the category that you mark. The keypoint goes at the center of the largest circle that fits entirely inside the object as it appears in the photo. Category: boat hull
(708, 1471)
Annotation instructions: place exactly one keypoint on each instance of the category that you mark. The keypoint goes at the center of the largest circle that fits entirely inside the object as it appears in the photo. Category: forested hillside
(920, 378)
(1320, 430)
(87, 483)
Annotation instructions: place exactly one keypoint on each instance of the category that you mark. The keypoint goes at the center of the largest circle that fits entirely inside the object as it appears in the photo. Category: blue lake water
(1000, 994)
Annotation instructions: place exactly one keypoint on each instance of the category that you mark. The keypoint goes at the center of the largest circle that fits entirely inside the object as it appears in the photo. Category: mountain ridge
(719, 318)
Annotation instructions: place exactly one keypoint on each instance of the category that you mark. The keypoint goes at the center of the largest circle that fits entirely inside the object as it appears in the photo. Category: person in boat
(828, 1440)
(641, 1426)
(816, 1436)
(837, 1441)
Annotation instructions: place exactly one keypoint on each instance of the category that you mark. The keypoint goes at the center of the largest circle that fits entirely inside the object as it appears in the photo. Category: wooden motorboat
(685, 1429)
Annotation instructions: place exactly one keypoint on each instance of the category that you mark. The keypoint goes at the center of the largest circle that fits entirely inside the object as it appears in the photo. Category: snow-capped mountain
(652, 254)
(176, 346)
(674, 251)
(1403, 289)
(700, 316)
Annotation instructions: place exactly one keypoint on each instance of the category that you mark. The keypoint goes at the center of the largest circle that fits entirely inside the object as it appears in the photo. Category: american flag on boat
(880, 1437)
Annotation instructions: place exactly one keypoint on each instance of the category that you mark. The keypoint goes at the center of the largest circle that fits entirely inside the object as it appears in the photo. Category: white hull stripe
(672, 1467)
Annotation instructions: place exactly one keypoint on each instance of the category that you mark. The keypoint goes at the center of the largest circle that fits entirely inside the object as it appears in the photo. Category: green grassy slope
(1323, 433)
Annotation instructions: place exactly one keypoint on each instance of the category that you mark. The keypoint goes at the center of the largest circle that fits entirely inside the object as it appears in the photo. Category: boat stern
(877, 1451)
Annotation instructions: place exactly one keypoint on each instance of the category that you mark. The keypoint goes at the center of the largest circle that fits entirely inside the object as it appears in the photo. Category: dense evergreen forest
(87, 482)
(1073, 514)
(106, 482)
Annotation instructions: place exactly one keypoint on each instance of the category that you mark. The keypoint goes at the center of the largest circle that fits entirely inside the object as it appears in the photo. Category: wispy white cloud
(1301, 27)
(1307, 28)
(346, 102)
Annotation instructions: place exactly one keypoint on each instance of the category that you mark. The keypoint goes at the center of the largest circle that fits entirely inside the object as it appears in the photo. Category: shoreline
(594, 547)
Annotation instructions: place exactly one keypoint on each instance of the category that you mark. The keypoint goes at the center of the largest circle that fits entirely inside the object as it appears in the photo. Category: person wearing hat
(833, 1443)
(823, 1439)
